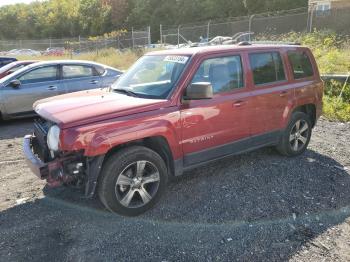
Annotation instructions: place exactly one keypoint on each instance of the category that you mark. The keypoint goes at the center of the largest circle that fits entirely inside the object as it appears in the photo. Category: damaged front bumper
(61, 170)
(38, 167)
(66, 169)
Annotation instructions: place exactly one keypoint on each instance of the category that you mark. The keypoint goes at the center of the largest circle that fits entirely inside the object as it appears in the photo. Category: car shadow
(15, 128)
(256, 206)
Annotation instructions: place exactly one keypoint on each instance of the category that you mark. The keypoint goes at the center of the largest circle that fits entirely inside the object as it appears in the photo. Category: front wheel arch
(159, 144)
(114, 167)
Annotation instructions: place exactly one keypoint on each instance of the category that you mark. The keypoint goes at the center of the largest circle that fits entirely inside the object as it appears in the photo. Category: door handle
(93, 82)
(238, 103)
(283, 93)
(52, 88)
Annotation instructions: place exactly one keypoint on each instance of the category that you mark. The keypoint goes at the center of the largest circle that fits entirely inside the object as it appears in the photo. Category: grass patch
(335, 109)
(112, 57)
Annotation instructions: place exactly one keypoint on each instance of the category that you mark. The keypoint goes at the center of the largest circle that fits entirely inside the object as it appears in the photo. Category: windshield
(152, 76)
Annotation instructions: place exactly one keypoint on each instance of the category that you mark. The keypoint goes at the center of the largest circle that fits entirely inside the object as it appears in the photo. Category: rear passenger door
(271, 92)
(77, 77)
(308, 87)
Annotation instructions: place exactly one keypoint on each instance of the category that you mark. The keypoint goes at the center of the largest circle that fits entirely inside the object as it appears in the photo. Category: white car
(24, 52)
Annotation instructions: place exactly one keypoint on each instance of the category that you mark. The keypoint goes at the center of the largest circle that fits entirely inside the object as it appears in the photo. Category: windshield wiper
(127, 92)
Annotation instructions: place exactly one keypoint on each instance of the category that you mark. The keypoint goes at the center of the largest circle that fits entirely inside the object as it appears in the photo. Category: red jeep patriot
(172, 111)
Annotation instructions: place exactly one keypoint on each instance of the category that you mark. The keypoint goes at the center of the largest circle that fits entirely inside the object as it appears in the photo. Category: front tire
(296, 137)
(132, 180)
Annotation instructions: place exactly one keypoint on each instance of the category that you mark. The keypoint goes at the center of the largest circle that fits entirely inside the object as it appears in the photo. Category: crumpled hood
(93, 105)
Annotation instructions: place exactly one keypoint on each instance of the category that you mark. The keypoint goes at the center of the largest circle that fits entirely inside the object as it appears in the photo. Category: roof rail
(273, 43)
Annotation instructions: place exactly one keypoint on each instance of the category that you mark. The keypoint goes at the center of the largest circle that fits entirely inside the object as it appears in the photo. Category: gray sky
(9, 2)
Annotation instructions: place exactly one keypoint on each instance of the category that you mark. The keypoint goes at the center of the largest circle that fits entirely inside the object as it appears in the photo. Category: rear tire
(132, 180)
(296, 137)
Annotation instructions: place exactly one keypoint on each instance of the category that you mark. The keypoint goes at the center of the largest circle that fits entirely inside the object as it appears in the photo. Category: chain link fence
(338, 20)
(297, 20)
(132, 39)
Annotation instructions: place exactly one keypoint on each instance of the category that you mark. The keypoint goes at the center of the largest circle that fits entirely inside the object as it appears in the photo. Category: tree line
(71, 18)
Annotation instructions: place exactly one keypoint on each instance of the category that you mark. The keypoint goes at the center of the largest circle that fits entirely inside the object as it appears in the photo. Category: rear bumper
(38, 167)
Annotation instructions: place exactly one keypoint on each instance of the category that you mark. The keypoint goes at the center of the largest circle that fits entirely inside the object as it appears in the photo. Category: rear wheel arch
(297, 133)
(308, 109)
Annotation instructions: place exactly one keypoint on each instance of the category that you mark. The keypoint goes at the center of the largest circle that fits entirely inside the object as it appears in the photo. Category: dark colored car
(14, 66)
(172, 111)
(6, 60)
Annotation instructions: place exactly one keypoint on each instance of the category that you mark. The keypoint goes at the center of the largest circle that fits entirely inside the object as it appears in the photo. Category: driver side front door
(212, 128)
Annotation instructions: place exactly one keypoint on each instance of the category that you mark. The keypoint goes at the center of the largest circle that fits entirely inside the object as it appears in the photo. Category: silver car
(21, 89)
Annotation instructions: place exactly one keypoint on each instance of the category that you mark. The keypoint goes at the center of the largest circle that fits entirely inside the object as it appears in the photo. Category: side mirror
(15, 83)
(198, 91)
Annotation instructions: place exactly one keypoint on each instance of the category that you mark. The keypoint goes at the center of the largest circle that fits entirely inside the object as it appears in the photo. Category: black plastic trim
(196, 159)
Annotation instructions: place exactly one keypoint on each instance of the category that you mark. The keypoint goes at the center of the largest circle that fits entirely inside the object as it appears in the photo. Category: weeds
(336, 109)
(112, 57)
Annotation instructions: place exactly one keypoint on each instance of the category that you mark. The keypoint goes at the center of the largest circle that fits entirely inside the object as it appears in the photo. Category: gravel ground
(255, 207)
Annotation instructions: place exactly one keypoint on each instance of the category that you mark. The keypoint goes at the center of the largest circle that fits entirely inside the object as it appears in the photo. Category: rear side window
(77, 71)
(301, 64)
(224, 73)
(267, 67)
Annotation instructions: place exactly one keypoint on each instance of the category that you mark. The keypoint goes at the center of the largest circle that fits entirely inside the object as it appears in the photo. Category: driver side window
(224, 73)
(42, 74)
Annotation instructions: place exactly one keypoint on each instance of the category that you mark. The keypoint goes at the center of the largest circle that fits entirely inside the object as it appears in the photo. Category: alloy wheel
(137, 184)
(299, 135)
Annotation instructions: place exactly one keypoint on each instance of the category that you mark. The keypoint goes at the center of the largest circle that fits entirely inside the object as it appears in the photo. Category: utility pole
(311, 10)
(250, 26)
(132, 37)
(149, 35)
(208, 31)
(161, 33)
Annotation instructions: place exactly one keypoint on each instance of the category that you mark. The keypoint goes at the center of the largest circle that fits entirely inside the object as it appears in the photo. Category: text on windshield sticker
(176, 59)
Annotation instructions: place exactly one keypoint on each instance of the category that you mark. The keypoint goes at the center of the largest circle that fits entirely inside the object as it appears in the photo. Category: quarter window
(301, 64)
(43, 74)
(267, 67)
(77, 71)
(225, 73)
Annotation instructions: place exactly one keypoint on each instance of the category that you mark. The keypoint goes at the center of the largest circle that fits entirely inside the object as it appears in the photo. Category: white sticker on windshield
(176, 59)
